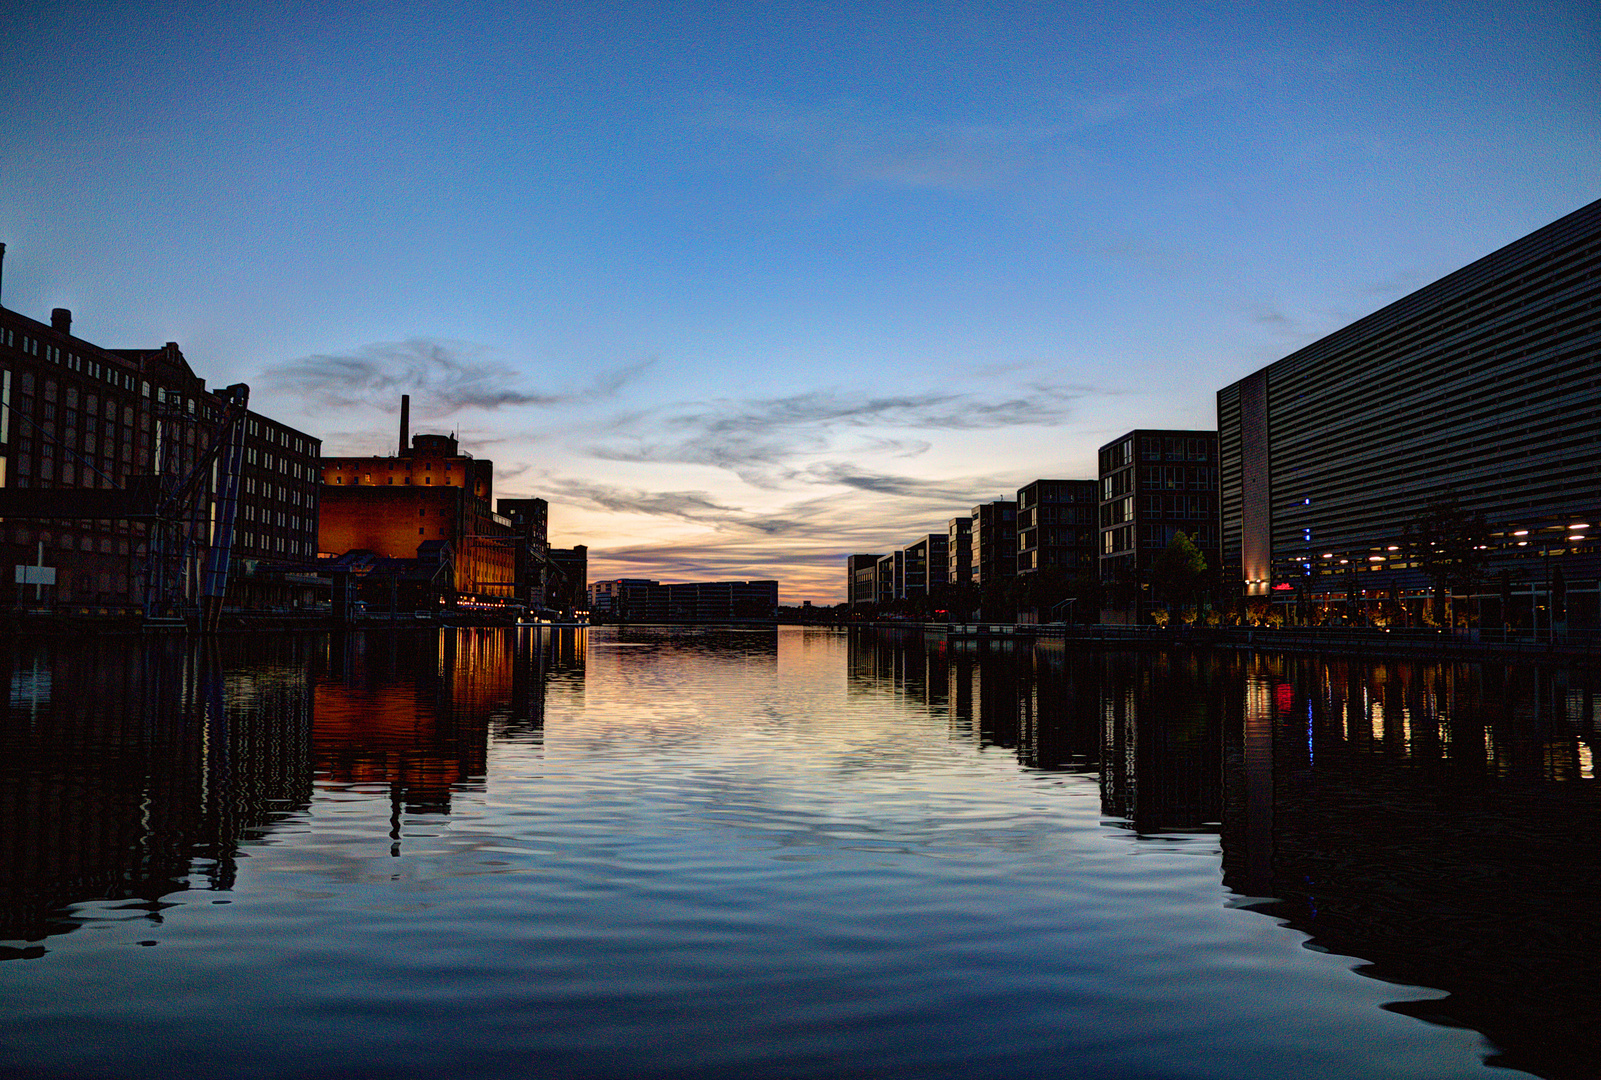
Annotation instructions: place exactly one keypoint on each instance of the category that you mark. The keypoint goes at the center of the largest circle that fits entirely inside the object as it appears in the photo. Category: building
(430, 490)
(1483, 388)
(642, 600)
(1154, 485)
(994, 542)
(861, 580)
(891, 577)
(275, 527)
(1057, 527)
(530, 520)
(127, 487)
(924, 564)
(627, 600)
(959, 550)
(567, 580)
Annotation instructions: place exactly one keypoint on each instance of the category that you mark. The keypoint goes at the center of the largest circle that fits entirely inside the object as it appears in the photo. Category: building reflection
(136, 771)
(1161, 740)
(133, 772)
(414, 712)
(1441, 823)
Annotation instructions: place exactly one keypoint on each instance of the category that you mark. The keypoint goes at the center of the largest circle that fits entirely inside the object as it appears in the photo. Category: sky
(743, 289)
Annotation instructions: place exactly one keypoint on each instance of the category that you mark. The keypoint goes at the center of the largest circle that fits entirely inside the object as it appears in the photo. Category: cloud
(444, 376)
(687, 505)
(755, 438)
(802, 542)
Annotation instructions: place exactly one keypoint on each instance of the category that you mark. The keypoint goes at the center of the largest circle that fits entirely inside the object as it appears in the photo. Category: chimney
(61, 320)
(405, 424)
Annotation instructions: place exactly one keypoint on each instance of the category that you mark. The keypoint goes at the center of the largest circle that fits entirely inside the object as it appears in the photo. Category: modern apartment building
(924, 564)
(959, 550)
(1484, 387)
(994, 541)
(861, 580)
(1154, 485)
(1056, 526)
(891, 577)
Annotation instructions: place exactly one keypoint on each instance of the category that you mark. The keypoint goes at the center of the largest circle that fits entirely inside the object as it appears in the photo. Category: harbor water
(694, 852)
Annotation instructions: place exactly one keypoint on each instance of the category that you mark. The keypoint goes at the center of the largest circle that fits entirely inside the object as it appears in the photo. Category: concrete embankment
(1571, 648)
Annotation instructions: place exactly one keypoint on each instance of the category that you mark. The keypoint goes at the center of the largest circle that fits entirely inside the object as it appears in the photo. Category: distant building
(641, 600)
(1057, 526)
(924, 564)
(628, 600)
(530, 520)
(567, 579)
(1484, 386)
(861, 579)
(891, 577)
(1154, 485)
(994, 542)
(959, 550)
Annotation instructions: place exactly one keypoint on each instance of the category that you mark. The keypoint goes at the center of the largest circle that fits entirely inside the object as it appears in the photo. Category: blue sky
(742, 289)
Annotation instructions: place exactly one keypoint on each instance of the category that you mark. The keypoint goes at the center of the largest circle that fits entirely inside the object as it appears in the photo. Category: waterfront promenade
(1583, 647)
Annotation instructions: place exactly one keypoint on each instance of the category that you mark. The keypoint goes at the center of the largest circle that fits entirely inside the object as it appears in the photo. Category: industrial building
(129, 488)
(430, 491)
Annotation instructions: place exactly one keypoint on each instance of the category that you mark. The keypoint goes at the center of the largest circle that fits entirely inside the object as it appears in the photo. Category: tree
(1179, 572)
(1450, 545)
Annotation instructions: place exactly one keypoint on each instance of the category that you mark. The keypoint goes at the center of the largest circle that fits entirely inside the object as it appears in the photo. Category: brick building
(430, 491)
(130, 444)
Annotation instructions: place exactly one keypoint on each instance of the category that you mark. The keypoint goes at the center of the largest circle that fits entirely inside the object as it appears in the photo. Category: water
(809, 853)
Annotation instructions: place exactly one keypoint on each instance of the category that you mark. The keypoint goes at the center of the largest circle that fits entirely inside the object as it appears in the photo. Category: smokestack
(61, 320)
(405, 423)
(2, 262)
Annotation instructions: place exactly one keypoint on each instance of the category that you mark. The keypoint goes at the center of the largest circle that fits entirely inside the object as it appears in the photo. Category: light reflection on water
(718, 853)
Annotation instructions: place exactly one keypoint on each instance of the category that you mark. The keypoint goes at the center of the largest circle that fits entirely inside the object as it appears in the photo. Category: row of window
(1175, 448)
(1179, 478)
(275, 544)
(449, 481)
(282, 438)
(1188, 507)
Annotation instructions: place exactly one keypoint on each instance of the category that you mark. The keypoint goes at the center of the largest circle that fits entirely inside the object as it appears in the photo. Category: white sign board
(36, 575)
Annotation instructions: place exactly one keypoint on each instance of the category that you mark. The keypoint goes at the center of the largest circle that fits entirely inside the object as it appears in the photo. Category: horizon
(741, 294)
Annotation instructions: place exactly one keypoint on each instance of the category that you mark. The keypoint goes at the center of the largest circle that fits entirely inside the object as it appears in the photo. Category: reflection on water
(698, 852)
(1439, 821)
(131, 771)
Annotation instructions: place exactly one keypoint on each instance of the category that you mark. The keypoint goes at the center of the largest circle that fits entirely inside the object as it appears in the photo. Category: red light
(1282, 586)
